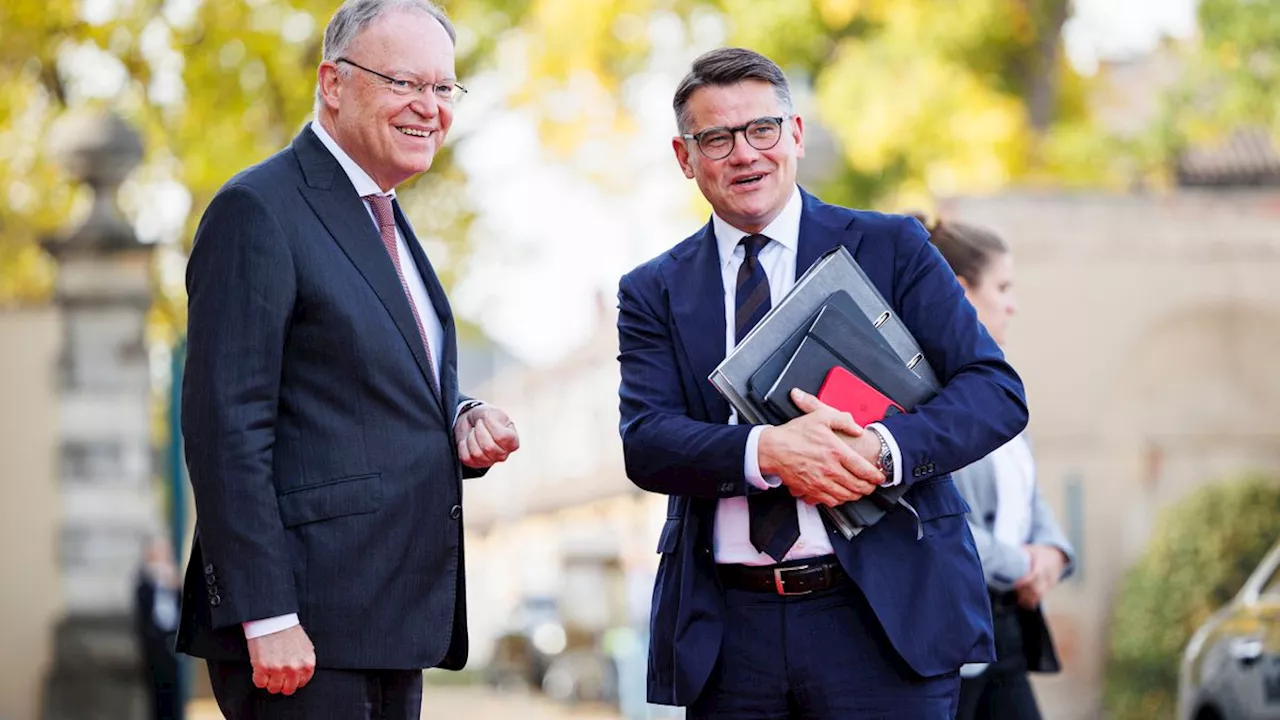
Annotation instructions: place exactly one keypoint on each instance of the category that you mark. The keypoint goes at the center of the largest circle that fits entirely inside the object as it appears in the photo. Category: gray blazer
(1003, 564)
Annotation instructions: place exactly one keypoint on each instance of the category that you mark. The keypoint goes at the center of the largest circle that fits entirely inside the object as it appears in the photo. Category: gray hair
(355, 16)
(729, 66)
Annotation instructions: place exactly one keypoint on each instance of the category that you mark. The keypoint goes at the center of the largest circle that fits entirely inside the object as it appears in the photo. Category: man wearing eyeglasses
(326, 437)
(760, 610)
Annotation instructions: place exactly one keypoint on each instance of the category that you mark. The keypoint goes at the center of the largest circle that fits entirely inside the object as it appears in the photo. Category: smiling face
(749, 187)
(392, 137)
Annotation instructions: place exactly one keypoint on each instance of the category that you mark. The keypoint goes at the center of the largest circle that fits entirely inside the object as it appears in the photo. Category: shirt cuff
(894, 453)
(465, 406)
(258, 628)
(751, 463)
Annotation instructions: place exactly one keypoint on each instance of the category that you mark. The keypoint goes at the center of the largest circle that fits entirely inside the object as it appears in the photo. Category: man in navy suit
(760, 609)
(326, 437)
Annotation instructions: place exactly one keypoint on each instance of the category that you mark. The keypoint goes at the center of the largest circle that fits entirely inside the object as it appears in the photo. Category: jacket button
(727, 487)
(455, 512)
(215, 600)
(208, 569)
(210, 580)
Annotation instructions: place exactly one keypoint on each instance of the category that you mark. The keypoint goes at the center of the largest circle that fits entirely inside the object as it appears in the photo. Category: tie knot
(753, 244)
(382, 213)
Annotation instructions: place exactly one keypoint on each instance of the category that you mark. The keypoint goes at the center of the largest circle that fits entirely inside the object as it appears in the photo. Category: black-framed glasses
(716, 143)
(447, 91)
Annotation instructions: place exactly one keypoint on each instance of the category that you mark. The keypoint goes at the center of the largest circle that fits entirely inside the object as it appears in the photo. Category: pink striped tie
(386, 220)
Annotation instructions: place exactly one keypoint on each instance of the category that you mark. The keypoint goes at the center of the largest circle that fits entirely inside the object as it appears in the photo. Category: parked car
(533, 637)
(1231, 667)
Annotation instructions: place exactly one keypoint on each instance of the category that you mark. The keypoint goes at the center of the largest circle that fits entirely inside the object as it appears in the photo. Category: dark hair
(968, 249)
(729, 66)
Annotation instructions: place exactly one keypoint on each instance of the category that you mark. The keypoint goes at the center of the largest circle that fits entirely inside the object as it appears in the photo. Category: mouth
(748, 180)
(415, 132)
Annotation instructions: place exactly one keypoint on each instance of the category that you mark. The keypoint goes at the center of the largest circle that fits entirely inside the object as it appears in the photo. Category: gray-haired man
(325, 434)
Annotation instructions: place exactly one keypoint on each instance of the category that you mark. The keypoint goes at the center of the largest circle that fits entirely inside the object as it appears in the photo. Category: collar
(360, 179)
(784, 230)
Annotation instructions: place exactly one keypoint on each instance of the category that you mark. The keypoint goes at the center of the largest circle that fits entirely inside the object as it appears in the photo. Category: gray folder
(832, 273)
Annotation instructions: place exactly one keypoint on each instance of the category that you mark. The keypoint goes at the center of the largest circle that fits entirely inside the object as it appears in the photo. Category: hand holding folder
(833, 318)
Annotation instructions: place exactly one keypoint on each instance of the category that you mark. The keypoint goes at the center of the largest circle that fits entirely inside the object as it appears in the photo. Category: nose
(425, 103)
(743, 153)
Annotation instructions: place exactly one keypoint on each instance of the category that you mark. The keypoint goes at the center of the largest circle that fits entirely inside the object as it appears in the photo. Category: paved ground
(468, 703)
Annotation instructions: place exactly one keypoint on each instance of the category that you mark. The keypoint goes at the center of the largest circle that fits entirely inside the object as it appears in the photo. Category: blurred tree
(1202, 551)
(1240, 63)
(213, 86)
(1231, 82)
(922, 97)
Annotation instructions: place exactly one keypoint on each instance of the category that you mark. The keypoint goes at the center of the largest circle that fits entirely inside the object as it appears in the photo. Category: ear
(681, 149)
(797, 134)
(968, 289)
(327, 77)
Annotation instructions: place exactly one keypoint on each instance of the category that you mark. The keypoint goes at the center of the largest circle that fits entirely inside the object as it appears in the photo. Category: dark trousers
(331, 695)
(822, 656)
(1003, 691)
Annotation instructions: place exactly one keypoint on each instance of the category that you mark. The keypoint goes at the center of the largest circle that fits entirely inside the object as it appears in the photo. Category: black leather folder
(862, 331)
(833, 339)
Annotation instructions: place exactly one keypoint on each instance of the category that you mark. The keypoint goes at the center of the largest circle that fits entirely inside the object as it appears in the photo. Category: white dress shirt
(1015, 491)
(365, 185)
(778, 258)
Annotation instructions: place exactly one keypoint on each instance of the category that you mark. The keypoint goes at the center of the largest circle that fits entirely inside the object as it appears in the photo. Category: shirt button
(800, 544)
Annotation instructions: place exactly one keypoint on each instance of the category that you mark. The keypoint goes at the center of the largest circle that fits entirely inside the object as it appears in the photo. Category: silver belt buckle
(780, 584)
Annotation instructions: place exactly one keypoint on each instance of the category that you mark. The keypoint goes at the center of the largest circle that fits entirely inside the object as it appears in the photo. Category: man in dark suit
(326, 437)
(760, 610)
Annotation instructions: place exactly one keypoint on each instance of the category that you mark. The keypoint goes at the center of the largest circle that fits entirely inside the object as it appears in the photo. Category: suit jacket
(1003, 564)
(928, 594)
(325, 474)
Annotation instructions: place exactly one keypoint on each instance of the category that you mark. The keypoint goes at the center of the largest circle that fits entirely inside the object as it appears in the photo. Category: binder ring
(881, 320)
(911, 364)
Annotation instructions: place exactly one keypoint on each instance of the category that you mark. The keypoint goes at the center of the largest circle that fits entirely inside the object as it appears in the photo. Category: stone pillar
(105, 450)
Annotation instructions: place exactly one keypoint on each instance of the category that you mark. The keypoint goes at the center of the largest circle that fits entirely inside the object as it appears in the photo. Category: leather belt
(798, 578)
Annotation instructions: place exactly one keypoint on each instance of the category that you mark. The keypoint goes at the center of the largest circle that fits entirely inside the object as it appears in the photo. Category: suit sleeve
(240, 287)
(981, 404)
(665, 450)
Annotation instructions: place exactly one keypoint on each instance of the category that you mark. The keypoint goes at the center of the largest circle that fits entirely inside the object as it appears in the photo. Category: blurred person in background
(155, 614)
(1024, 552)
(760, 611)
(326, 437)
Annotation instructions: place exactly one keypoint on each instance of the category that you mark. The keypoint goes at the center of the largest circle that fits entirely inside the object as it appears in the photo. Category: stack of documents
(834, 319)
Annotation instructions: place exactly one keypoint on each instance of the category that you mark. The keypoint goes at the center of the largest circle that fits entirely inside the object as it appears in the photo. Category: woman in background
(1024, 552)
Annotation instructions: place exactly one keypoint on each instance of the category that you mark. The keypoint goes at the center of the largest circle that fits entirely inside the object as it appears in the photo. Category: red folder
(847, 392)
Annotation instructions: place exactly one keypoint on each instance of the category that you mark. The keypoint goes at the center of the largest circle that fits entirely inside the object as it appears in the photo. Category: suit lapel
(440, 302)
(333, 199)
(822, 228)
(697, 308)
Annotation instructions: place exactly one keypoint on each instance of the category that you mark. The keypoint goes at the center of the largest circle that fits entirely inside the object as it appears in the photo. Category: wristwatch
(885, 460)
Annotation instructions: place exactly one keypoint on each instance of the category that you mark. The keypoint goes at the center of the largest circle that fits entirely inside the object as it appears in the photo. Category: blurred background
(1126, 150)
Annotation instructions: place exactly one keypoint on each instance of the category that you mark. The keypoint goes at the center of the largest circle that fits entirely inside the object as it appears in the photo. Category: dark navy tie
(775, 526)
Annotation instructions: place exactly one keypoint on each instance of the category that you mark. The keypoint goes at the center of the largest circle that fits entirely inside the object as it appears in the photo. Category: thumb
(806, 402)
